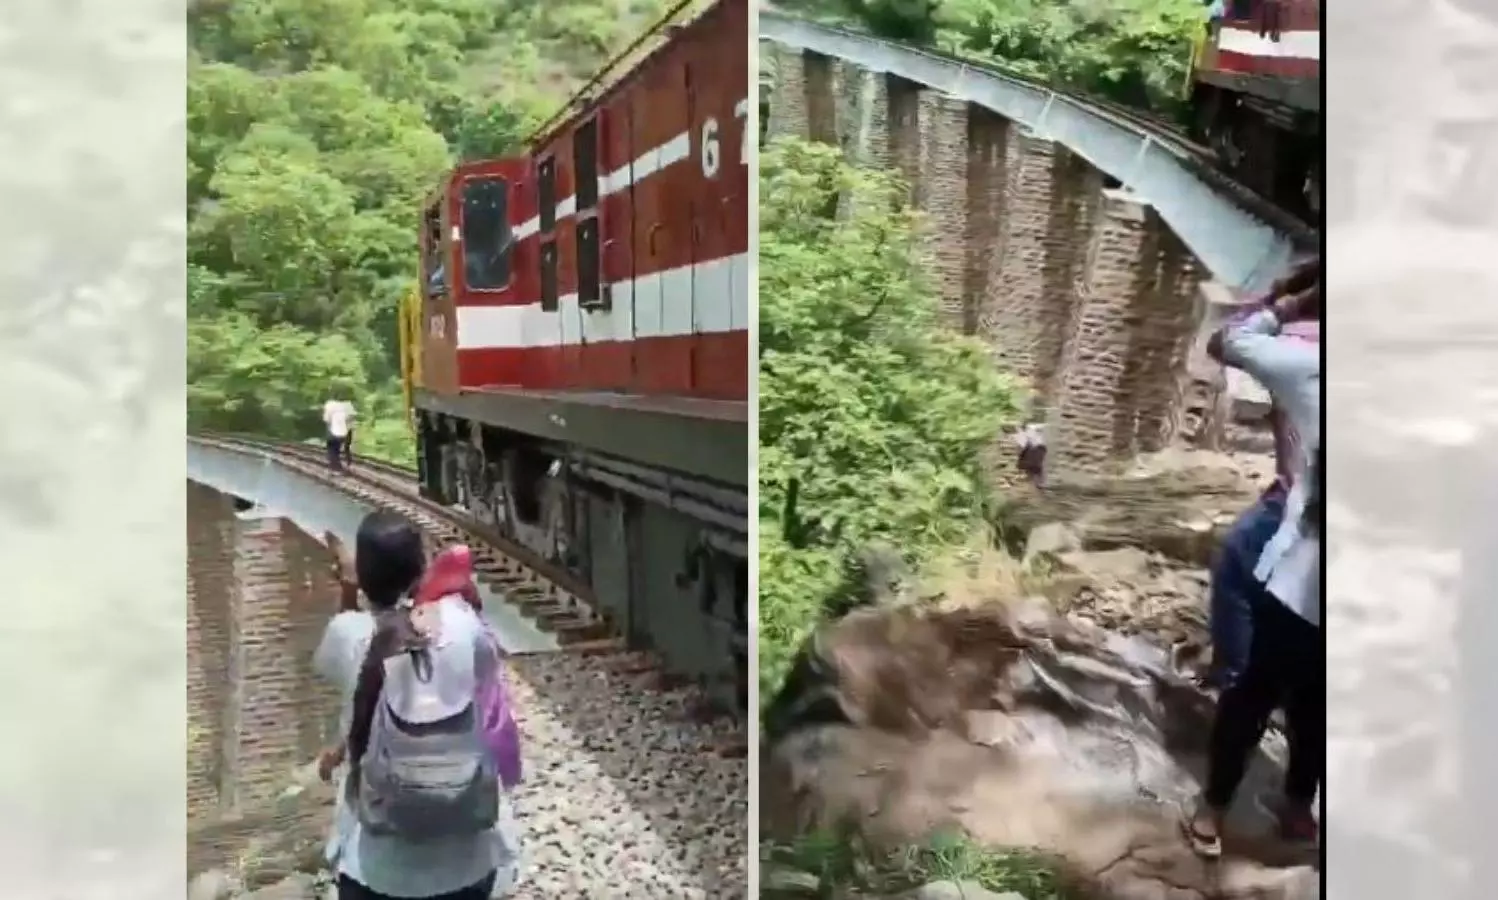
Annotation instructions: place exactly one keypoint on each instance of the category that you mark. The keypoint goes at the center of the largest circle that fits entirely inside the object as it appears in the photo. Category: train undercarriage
(651, 541)
(1270, 147)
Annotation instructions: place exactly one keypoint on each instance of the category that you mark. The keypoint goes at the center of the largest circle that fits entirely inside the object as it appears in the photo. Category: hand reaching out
(328, 761)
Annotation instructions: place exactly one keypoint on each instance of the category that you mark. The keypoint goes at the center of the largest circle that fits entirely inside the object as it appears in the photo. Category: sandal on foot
(1207, 846)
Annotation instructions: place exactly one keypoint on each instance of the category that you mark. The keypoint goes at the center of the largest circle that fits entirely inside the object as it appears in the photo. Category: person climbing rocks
(1031, 443)
(1285, 666)
(1232, 568)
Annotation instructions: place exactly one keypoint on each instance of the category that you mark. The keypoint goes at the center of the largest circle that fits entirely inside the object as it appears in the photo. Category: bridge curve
(1088, 251)
(1237, 247)
(274, 490)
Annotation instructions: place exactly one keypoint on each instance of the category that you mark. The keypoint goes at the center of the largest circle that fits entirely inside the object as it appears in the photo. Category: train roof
(604, 83)
(654, 40)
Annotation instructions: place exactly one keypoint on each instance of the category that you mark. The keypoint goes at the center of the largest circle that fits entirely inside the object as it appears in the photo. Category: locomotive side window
(549, 276)
(547, 194)
(589, 276)
(487, 239)
(585, 164)
(433, 272)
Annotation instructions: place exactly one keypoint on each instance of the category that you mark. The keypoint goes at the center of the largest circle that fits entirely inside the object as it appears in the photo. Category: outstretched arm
(1284, 368)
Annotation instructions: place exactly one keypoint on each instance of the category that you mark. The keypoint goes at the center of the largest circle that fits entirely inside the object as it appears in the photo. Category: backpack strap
(393, 636)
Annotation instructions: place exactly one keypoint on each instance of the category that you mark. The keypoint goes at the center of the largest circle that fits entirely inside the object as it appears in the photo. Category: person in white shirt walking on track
(338, 416)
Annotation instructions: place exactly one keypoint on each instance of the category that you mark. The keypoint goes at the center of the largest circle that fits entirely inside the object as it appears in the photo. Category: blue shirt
(1290, 564)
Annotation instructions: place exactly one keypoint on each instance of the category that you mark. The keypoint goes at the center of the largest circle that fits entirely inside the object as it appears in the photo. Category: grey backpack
(428, 780)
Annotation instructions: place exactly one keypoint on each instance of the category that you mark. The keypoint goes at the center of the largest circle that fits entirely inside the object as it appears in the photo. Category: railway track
(634, 785)
(556, 600)
(546, 594)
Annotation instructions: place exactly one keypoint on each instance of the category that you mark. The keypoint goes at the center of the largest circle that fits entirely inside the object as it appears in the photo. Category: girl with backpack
(422, 814)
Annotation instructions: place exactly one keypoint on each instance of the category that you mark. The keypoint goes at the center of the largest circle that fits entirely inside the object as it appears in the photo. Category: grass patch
(832, 864)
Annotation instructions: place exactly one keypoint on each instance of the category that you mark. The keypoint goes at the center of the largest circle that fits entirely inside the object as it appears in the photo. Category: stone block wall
(1083, 428)
(1079, 290)
(259, 596)
(942, 179)
(787, 75)
(1075, 197)
(987, 208)
(863, 114)
(210, 574)
(1170, 320)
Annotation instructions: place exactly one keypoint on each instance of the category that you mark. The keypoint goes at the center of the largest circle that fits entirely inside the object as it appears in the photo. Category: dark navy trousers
(1233, 584)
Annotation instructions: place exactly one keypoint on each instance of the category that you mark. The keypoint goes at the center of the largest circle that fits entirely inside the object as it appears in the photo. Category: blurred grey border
(92, 457)
(1412, 404)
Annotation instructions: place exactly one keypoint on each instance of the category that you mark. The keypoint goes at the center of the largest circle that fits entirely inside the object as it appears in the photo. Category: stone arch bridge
(1088, 250)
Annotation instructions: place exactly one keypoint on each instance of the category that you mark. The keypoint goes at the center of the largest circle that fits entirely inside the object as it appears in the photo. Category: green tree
(907, 21)
(1135, 52)
(872, 413)
(316, 131)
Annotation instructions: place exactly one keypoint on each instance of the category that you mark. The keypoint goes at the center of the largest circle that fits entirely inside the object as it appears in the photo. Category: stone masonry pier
(1074, 282)
(259, 592)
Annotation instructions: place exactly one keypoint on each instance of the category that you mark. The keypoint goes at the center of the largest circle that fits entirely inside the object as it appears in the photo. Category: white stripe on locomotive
(708, 297)
(1291, 45)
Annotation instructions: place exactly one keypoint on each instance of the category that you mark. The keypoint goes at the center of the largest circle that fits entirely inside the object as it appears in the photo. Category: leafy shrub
(1135, 52)
(872, 412)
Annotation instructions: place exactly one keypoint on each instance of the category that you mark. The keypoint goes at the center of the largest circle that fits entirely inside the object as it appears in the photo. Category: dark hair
(388, 558)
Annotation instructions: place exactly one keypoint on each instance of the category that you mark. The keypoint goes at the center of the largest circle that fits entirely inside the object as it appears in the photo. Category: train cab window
(488, 241)
(589, 265)
(549, 276)
(434, 273)
(585, 164)
(547, 194)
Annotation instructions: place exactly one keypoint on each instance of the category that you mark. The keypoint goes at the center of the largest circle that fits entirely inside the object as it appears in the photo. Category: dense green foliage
(872, 412)
(315, 128)
(1131, 51)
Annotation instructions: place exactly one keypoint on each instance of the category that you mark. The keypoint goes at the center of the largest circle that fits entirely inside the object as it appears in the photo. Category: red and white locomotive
(1256, 97)
(578, 355)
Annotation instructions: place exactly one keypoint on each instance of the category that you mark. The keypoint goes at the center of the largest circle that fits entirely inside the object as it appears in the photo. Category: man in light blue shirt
(1286, 661)
(1232, 578)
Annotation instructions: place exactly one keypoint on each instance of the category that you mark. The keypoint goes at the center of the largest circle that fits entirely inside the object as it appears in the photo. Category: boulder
(1024, 730)
(300, 886)
(215, 884)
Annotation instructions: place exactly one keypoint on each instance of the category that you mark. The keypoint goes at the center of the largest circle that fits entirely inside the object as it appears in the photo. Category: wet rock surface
(1053, 712)
(1131, 552)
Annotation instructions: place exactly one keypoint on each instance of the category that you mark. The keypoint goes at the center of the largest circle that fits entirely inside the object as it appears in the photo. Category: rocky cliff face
(983, 709)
